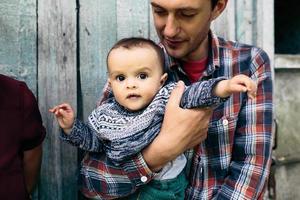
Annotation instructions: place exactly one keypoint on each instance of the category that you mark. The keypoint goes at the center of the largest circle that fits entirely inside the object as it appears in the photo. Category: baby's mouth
(133, 96)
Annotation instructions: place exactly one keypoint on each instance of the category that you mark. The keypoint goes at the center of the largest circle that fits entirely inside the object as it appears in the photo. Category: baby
(131, 117)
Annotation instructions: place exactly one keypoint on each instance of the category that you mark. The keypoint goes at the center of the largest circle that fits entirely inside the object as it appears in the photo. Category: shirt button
(225, 122)
(144, 179)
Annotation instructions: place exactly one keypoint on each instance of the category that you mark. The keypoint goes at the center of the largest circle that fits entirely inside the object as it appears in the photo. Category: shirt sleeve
(251, 158)
(83, 136)
(34, 132)
(200, 94)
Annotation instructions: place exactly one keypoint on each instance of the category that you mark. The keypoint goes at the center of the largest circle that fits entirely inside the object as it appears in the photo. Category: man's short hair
(214, 3)
(133, 42)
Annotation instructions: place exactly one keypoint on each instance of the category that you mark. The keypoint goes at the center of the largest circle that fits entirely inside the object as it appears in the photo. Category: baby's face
(135, 76)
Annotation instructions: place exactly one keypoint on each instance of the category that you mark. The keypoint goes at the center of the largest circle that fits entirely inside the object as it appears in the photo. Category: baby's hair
(133, 42)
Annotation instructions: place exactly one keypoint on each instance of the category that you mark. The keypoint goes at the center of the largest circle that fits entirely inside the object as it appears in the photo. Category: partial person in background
(21, 136)
(233, 143)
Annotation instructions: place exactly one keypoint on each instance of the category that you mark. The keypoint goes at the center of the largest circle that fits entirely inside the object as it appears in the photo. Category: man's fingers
(201, 136)
(176, 94)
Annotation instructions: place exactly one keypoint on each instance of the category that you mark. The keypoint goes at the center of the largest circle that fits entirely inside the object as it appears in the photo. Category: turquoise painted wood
(18, 40)
(98, 25)
(102, 23)
(57, 81)
(132, 18)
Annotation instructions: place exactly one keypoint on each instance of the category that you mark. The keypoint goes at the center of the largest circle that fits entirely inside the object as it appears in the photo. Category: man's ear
(163, 79)
(219, 8)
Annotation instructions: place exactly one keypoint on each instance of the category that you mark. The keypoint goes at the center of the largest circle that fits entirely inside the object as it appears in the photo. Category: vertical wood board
(57, 84)
(224, 25)
(132, 18)
(244, 21)
(98, 32)
(18, 40)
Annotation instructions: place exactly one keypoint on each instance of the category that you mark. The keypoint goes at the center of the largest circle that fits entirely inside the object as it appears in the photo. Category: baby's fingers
(252, 88)
(57, 111)
(251, 94)
(239, 88)
(53, 110)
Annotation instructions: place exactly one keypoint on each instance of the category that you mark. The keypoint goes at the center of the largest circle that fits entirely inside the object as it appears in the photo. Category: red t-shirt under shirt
(195, 69)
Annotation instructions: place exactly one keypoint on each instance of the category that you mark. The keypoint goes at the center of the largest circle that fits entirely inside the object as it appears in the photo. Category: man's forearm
(32, 164)
(156, 156)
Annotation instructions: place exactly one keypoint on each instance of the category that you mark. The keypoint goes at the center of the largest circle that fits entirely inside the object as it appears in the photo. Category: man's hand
(182, 129)
(64, 115)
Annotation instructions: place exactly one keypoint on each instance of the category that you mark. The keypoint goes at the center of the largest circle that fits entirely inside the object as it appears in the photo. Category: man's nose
(171, 27)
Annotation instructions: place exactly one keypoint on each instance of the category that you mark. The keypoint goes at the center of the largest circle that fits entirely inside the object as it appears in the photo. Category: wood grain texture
(265, 27)
(18, 40)
(57, 83)
(132, 18)
(245, 21)
(224, 25)
(98, 32)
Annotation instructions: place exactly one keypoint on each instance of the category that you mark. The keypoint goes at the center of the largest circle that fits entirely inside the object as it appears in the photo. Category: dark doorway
(287, 27)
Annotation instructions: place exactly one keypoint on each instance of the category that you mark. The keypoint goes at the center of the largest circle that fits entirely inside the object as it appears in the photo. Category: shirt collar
(213, 56)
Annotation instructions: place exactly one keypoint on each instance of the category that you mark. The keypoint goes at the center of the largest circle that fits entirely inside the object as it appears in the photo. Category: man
(21, 135)
(232, 154)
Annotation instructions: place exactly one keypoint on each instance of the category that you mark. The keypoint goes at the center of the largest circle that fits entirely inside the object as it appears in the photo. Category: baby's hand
(239, 83)
(64, 115)
(242, 83)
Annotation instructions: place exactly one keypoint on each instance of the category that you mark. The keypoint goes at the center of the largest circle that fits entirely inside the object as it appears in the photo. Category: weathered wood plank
(245, 18)
(57, 83)
(98, 32)
(18, 40)
(265, 27)
(224, 25)
(133, 18)
(255, 24)
(152, 32)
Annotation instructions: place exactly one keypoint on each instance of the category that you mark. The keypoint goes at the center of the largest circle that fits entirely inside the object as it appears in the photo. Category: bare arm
(32, 164)
(182, 129)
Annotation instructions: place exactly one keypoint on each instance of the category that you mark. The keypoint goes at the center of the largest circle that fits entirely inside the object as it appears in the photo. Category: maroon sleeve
(34, 132)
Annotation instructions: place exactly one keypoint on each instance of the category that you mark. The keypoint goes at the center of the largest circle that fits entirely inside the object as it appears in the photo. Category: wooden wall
(18, 40)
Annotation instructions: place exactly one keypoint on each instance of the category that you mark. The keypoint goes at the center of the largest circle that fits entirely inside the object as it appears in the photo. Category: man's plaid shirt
(234, 161)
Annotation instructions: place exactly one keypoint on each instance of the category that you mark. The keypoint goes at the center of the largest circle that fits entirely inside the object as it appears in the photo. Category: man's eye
(159, 11)
(187, 14)
(143, 76)
(120, 78)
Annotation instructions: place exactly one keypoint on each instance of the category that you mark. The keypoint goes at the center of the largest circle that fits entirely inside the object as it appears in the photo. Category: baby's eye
(143, 76)
(120, 78)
